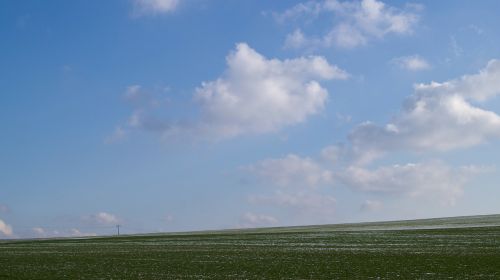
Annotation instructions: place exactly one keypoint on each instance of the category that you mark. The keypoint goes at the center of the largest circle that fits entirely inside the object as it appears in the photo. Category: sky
(179, 115)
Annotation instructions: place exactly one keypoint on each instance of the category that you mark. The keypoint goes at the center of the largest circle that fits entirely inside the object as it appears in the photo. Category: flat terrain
(458, 248)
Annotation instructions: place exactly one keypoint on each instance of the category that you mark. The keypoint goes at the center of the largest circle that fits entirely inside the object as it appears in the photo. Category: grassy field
(449, 248)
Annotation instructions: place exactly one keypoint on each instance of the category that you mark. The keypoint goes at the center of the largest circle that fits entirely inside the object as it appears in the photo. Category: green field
(449, 248)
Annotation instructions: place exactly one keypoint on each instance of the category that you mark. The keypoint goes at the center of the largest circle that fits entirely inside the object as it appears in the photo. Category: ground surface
(454, 248)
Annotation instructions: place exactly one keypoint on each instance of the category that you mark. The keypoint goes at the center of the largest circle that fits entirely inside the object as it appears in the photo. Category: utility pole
(118, 229)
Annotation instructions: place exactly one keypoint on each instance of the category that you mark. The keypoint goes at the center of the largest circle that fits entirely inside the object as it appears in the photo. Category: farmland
(459, 248)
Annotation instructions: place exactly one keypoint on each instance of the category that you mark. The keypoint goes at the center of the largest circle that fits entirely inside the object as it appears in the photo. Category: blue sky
(171, 115)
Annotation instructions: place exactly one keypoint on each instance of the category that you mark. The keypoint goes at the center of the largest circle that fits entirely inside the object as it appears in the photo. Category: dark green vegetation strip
(459, 253)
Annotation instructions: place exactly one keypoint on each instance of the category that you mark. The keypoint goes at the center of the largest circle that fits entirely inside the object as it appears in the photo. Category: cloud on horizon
(5, 229)
(252, 220)
(102, 218)
(302, 203)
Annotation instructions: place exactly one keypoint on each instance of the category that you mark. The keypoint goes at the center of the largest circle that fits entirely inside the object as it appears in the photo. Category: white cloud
(153, 7)
(355, 22)
(291, 170)
(258, 95)
(429, 180)
(5, 229)
(437, 117)
(251, 220)
(102, 218)
(254, 95)
(106, 218)
(412, 63)
(296, 40)
(432, 180)
(333, 154)
(477, 87)
(299, 179)
(307, 9)
(345, 36)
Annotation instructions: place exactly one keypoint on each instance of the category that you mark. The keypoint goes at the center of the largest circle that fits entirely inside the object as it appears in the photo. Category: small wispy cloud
(40, 232)
(74, 232)
(291, 170)
(411, 63)
(116, 136)
(102, 218)
(154, 7)
(478, 30)
(456, 49)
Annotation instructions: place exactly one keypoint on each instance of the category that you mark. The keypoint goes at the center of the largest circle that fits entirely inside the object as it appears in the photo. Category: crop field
(448, 248)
